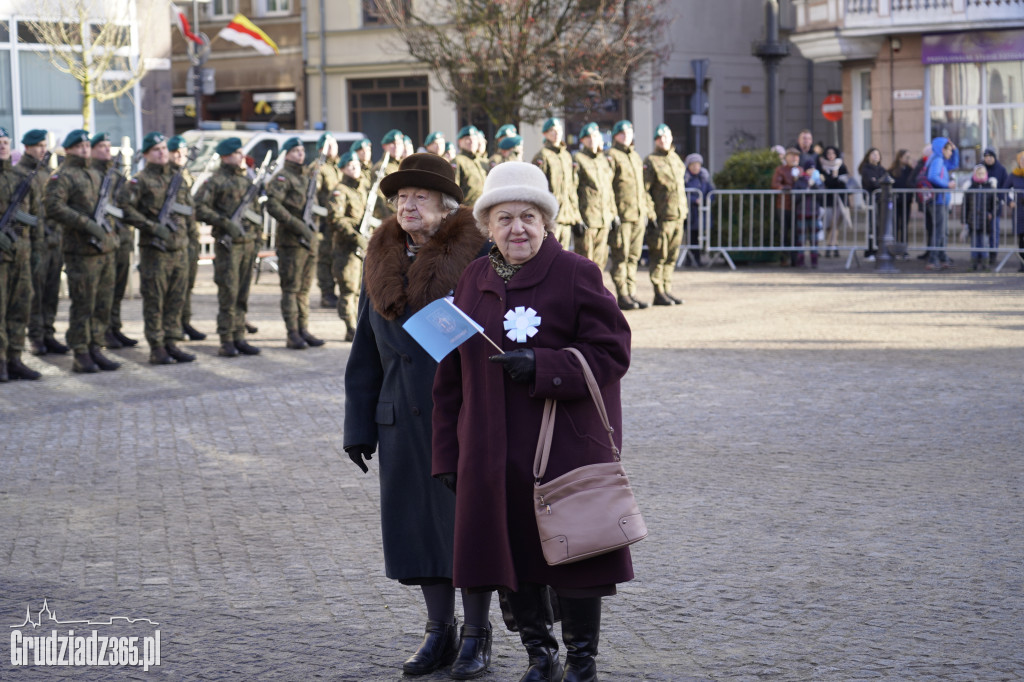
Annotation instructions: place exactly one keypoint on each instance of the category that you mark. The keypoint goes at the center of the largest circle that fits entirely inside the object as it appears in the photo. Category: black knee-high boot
(531, 608)
(581, 630)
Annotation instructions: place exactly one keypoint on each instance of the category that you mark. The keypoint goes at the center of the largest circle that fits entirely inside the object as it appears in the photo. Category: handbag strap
(547, 422)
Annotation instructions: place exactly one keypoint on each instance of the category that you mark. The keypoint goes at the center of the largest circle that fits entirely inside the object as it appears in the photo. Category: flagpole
(500, 349)
(197, 69)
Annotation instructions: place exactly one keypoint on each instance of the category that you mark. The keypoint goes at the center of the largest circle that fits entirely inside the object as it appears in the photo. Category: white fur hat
(516, 181)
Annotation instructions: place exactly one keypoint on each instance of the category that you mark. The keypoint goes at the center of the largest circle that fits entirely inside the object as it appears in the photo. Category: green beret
(73, 138)
(449, 148)
(151, 140)
(507, 130)
(408, 141)
(99, 137)
(391, 135)
(510, 142)
(662, 130)
(432, 138)
(323, 140)
(590, 129)
(291, 142)
(549, 124)
(175, 143)
(228, 146)
(4, 133)
(466, 131)
(359, 144)
(620, 126)
(34, 137)
(346, 159)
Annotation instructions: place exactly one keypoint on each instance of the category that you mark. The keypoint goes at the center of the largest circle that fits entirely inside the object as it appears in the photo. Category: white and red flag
(178, 17)
(248, 34)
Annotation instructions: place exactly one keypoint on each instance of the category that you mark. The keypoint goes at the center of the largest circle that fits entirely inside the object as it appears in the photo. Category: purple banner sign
(973, 46)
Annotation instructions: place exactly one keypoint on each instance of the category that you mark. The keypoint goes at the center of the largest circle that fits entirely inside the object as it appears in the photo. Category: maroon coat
(486, 426)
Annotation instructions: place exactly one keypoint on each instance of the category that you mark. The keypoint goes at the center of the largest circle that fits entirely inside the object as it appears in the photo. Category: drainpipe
(771, 51)
(323, 66)
(305, 61)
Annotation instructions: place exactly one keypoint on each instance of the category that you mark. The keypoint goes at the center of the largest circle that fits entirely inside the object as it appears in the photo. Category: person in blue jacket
(697, 178)
(945, 158)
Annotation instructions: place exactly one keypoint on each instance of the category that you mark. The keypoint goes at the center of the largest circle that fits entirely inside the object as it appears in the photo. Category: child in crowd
(979, 212)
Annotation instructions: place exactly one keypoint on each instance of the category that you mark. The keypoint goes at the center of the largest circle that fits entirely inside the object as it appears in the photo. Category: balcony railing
(923, 14)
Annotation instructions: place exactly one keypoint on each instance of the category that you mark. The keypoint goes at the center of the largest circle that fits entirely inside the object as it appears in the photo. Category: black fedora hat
(426, 170)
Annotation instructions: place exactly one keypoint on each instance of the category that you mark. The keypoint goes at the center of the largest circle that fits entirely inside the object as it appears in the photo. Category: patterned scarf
(504, 269)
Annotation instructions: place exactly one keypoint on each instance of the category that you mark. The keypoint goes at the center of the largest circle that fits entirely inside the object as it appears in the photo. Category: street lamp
(198, 55)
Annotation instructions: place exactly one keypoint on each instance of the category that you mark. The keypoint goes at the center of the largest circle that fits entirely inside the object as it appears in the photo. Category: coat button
(416, 411)
(557, 381)
(406, 358)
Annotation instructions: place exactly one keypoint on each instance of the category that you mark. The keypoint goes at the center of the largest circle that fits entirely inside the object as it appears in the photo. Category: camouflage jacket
(665, 180)
(327, 182)
(596, 197)
(469, 175)
(219, 197)
(123, 230)
(142, 198)
(26, 164)
(560, 170)
(9, 181)
(71, 196)
(631, 198)
(381, 209)
(346, 205)
(286, 201)
(189, 182)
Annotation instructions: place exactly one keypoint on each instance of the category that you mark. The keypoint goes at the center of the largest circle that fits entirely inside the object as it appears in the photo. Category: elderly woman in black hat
(415, 257)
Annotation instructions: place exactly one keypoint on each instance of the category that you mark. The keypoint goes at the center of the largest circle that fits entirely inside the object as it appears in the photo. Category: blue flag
(440, 328)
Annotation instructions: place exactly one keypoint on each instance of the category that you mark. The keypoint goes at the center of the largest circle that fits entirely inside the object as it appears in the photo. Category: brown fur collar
(393, 282)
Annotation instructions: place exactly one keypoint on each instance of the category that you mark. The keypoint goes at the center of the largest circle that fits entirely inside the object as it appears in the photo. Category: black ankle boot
(101, 360)
(532, 611)
(438, 649)
(581, 629)
(474, 653)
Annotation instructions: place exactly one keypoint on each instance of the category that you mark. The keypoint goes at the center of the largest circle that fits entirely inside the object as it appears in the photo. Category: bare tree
(91, 42)
(523, 60)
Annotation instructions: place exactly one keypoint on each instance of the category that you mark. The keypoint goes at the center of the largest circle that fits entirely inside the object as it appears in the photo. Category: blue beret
(507, 130)
(151, 140)
(3, 132)
(34, 137)
(392, 135)
(227, 146)
(323, 140)
(662, 130)
(466, 131)
(590, 129)
(175, 143)
(432, 137)
(73, 138)
(549, 124)
(346, 159)
(359, 144)
(620, 126)
(290, 143)
(510, 142)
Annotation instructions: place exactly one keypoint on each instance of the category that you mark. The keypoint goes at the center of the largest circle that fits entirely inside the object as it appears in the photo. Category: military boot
(178, 354)
(16, 369)
(581, 630)
(677, 301)
(55, 346)
(534, 620)
(295, 341)
(125, 341)
(626, 303)
(111, 341)
(639, 304)
(245, 348)
(102, 361)
(661, 299)
(350, 331)
(328, 300)
(158, 356)
(84, 364)
(192, 333)
(37, 347)
(251, 328)
(310, 339)
(227, 349)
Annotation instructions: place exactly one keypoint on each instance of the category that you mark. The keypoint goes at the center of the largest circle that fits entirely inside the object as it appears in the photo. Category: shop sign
(972, 46)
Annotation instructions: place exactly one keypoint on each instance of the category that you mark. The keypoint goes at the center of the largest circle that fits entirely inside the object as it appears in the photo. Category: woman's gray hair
(485, 217)
(448, 202)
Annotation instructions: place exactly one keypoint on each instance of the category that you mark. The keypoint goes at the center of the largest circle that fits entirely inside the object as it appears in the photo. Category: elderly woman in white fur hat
(533, 298)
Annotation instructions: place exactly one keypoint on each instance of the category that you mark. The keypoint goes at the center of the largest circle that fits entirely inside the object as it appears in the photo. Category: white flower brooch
(521, 323)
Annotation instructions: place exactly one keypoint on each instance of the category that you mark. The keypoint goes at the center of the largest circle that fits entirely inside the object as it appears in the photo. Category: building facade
(914, 70)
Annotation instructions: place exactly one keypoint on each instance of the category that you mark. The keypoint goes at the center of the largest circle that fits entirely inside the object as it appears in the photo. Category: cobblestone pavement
(829, 463)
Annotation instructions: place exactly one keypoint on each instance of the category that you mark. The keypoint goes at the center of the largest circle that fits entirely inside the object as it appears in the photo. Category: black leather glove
(357, 453)
(448, 480)
(579, 229)
(520, 364)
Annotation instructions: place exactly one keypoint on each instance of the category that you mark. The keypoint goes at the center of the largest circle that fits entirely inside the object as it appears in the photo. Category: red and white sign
(832, 108)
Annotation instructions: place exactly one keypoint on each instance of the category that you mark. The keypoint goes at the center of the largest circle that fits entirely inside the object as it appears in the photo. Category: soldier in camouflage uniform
(345, 207)
(330, 177)
(504, 132)
(102, 161)
(560, 170)
(235, 243)
(665, 180)
(393, 143)
(297, 243)
(469, 174)
(178, 149)
(435, 143)
(596, 197)
(15, 270)
(363, 151)
(72, 198)
(163, 250)
(509, 149)
(633, 204)
(47, 254)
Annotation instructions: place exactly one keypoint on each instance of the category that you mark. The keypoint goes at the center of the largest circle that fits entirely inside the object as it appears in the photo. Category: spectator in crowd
(834, 175)
(1015, 183)
(871, 174)
(944, 159)
(805, 213)
(902, 172)
(978, 213)
(918, 174)
(699, 179)
(805, 143)
(996, 172)
(781, 151)
(783, 179)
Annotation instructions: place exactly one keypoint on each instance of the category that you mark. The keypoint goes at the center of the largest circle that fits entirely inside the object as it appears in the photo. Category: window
(379, 104)
(686, 138)
(221, 9)
(373, 17)
(266, 8)
(116, 117)
(862, 140)
(6, 106)
(44, 89)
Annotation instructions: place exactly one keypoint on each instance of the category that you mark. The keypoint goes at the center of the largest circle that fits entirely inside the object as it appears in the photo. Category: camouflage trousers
(593, 245)
(663, 247)
(163, 279)
(91, 290)
(193, 270)
(295, 266)
(122, 269)
(626, 245)
(348, 272)
(45, 291)
(324, 259)
(15, 298)
(232, 272)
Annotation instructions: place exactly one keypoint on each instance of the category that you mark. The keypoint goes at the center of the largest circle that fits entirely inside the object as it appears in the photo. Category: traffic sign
(832, 108)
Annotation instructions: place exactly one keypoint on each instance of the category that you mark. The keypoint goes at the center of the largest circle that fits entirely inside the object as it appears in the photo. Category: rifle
(243, 210)
(371, 201)
(103, 206)
(312, 208)
(7, 235)
(170, 203)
